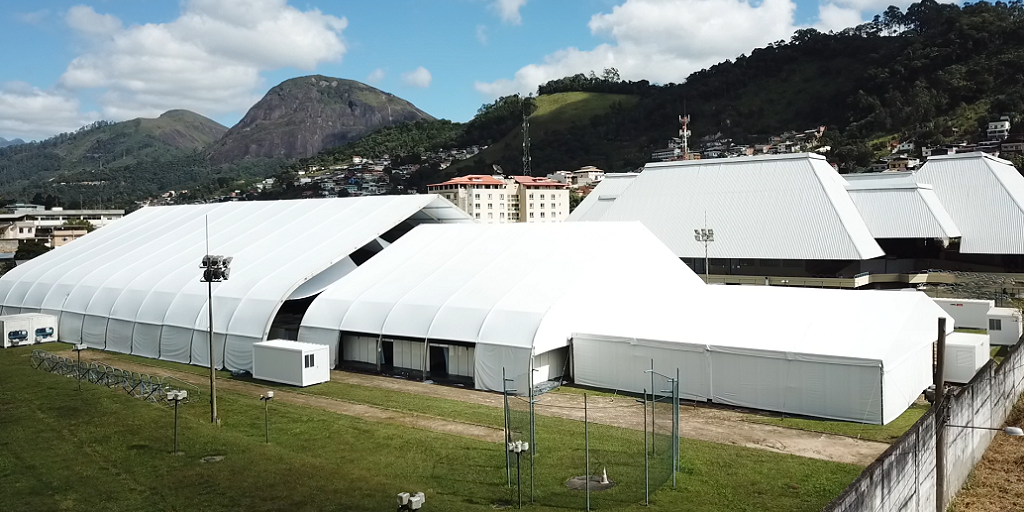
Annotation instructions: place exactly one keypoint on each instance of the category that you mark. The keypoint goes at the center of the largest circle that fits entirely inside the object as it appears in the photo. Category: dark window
(995, 324)
(309, 360)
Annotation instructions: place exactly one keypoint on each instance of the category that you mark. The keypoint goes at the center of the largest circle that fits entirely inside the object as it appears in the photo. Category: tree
(30, 249)
(79, 224)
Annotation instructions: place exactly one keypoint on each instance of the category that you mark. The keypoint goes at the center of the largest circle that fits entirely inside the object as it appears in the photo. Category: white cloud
(30, 113)
(88, 22)
(418, 77)
(481, 34)
(835, 17)
(209, 59)
(661, 40)
(509, 10)
(32, 18)
(375, 76)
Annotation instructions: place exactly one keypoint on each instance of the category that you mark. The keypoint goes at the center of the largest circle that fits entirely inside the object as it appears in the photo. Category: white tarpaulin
(134, 286)
(860, 356)
(514, 290)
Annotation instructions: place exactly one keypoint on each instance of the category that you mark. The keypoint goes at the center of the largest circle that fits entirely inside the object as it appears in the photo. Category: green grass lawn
(99, 449)
(883, 433)
(971, 331)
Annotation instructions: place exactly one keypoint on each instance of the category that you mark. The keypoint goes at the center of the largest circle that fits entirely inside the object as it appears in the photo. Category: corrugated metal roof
(779, 207)
(985, 197)
(895, 206)
(596, 204)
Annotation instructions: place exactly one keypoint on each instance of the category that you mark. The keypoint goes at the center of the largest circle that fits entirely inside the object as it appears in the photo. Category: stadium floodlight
(266, 398)
(705, 235)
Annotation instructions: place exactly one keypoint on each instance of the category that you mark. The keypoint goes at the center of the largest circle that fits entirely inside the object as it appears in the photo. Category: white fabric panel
(201, 348)
(619, 364)
(359, 348)
(324, 279)
(176, 344)
(549, 365)
(408, 354)
(94, 332)
(71, 329)
(329, 337)
(491, 359)
(119, 334)
(145, 339)
(144, 268)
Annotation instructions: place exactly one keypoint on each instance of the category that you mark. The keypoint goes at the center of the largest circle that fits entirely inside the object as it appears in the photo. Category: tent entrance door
(387, 356)
(438, 362)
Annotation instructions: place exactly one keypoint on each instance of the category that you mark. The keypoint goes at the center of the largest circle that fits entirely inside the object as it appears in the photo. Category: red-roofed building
(500, 200)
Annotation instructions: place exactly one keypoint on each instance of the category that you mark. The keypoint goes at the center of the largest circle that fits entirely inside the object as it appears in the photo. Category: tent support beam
(426, 351)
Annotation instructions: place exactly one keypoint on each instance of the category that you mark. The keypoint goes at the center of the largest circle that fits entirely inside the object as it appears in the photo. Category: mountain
(302, 116)
(14, 142)
(107, 155)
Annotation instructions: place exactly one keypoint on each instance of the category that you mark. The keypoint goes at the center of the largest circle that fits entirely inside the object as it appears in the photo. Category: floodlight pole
(208, 274)
(940, 420)
(705, 236)
(176, 425)
(647, 460)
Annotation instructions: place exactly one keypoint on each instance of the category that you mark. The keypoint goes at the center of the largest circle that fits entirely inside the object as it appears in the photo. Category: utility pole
(940, 419)
(215, 269)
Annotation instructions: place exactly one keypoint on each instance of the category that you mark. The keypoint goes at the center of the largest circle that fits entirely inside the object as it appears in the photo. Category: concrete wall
(903, 478)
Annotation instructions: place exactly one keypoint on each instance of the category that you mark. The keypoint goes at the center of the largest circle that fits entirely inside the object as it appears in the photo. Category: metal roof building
(779, 206)
(894, 205)
(985, 197)
(134, 286)
(491, 296)
(599, 200)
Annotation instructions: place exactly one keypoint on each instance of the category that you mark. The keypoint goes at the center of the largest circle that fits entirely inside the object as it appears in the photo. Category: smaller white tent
(494, 296)
(860, 356)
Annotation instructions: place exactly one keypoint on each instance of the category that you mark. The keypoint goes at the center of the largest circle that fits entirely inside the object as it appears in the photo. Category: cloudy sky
(66, 63)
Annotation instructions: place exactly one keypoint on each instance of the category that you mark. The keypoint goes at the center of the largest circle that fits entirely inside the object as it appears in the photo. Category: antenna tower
(527, 162)
(684, 135)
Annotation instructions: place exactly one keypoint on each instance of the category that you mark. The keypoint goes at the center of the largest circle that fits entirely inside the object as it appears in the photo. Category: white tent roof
(870, 325)
(596, 204)
(895, 206)
(778, 206)
(984, 195)
(521, 286)
(133, 286)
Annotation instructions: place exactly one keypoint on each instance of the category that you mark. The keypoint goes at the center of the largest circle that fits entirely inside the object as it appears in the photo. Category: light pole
(705, 235)
(647, 462)
(215, 269)
(176, 396)
(78, 371)
(266, 412)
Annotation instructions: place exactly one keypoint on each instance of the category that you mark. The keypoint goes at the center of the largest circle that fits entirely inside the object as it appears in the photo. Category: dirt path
(701, 423)
(367, 412)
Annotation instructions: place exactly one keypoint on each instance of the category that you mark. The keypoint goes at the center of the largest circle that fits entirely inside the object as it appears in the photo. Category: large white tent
(495, 296)
(134, 286)
(861, 356)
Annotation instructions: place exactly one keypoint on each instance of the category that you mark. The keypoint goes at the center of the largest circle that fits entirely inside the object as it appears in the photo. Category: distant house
(999, 130)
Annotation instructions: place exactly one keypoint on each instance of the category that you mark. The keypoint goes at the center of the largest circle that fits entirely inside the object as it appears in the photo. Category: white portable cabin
(17, 330)
(1004, 326)
(291, 362)
(967, 313)
(966, 353)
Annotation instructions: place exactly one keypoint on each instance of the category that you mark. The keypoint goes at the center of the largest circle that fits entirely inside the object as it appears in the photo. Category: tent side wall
(848, 390)
(489, 362)
(617, 363)
(903, 381)
(321, 336)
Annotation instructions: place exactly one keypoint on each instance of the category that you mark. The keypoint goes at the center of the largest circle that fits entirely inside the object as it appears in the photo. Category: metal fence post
(508, 437)
(533, 431)
(586, 446)
(647, 459)
(675, 429)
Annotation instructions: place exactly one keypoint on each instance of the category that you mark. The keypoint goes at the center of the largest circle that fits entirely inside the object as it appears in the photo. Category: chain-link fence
(138, 385)
(620, 452)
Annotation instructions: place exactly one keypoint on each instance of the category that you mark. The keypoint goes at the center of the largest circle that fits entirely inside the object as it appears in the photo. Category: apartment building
(501, 199)
(34, 222)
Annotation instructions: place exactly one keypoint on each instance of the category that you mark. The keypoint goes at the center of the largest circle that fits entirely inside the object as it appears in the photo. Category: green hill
(103, 151)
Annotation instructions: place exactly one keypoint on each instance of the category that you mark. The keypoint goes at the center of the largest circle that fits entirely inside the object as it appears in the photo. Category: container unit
(967, 313)
(966, 353)
(291, 362)
(16, 330)
(1004, 326)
